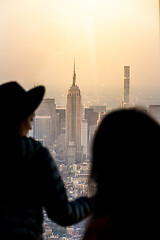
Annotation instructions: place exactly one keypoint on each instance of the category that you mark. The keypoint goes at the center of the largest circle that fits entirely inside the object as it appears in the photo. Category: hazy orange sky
(39, 40)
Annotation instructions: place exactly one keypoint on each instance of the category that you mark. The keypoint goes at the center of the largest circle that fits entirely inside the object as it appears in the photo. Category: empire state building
(73, 116)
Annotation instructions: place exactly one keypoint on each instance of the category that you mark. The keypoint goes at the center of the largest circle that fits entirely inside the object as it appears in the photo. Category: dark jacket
(100, 228)
(29, 181)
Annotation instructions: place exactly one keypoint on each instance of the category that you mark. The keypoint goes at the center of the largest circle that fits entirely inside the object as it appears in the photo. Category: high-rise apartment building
(74, 117)
(126, 86)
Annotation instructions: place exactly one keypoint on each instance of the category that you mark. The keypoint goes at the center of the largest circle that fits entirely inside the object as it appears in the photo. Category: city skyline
(39, 41)
(39, 44)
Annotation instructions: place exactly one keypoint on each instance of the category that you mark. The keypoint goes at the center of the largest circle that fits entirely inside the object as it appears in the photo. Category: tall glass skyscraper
(126, 85)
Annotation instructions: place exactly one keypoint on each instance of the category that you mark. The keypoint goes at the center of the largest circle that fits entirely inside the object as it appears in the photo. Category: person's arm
(56, 203)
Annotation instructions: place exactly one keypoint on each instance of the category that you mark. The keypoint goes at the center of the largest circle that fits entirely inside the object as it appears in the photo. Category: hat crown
(16, 102)
(10, 90)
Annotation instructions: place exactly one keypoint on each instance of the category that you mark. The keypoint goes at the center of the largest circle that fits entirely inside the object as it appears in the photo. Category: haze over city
(40, 39)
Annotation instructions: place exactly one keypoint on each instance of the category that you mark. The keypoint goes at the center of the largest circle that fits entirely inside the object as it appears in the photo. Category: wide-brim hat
(16, 102)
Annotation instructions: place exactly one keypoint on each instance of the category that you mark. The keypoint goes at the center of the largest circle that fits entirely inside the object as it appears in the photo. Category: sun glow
(98, 8)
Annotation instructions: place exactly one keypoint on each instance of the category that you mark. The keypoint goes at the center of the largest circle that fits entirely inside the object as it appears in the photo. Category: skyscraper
(73, 117)
(126, 86)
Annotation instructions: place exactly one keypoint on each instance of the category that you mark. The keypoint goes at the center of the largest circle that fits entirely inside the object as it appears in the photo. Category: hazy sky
(39, 40)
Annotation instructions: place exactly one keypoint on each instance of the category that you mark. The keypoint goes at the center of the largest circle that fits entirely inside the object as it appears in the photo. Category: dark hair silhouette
(125, 166)
(29, 178)
(16, 104)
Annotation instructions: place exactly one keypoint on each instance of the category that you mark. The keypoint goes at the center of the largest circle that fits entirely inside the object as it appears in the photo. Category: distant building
(42, 129)
(73, 119)
(101, 115)
(61, 115)
(84, 137)
(61, 146)
(126, 86)
(60, 142)
(99, 108)
(71, 153)
(91, 116)
(154, 111)
(45, 122)
(92, 130)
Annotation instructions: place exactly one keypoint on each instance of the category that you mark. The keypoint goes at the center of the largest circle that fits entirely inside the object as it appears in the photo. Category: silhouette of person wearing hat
(29, 178)
(125, 166)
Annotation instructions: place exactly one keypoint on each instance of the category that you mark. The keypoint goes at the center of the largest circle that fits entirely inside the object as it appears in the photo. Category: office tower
(126, 86)
(154, 111)
(42, 129)
(45, 122)
(73, 120)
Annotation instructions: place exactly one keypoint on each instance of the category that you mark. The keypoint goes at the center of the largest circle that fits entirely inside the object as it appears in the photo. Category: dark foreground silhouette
(29, 178)
(125, 166)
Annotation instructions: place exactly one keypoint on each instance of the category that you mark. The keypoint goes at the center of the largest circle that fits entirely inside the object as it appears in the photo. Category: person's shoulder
(30, 147)
(31, 143)
(36, 147)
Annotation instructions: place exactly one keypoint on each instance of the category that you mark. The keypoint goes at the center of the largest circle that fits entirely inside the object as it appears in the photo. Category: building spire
(74, 75)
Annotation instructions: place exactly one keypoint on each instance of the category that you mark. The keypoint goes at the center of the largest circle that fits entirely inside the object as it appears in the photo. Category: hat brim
(32, 100)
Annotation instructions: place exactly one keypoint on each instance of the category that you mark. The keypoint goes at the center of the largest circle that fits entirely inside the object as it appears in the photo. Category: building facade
(42, 129)
(74, 118)
(45, 125)
(84, 137)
